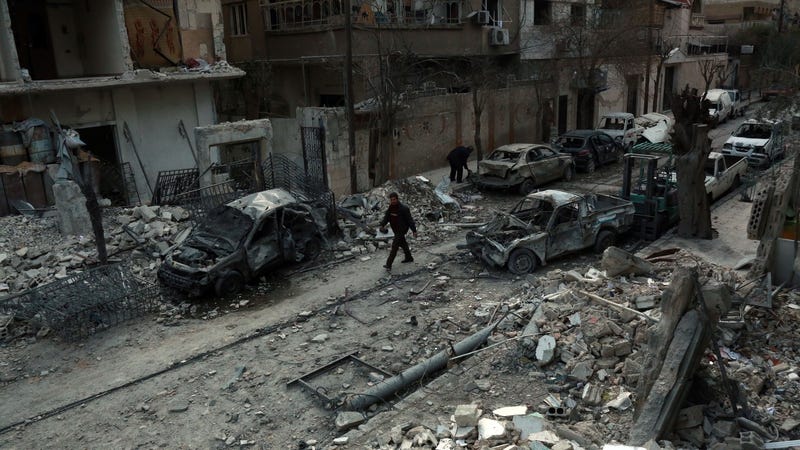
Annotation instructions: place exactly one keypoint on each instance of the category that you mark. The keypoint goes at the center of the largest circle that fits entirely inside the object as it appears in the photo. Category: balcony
(288, 15)
(696, 45)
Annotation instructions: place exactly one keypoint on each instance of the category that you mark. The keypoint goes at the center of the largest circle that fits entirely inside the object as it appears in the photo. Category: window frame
(237, 14)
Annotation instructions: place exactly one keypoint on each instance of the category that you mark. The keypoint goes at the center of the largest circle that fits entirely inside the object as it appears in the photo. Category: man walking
(399, 217)
(458, 162)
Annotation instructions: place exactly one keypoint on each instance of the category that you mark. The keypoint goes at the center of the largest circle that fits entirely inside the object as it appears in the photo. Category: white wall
(103, 33)
(64, 33)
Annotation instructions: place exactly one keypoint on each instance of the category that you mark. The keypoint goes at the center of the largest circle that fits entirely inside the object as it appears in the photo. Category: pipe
(414, 373)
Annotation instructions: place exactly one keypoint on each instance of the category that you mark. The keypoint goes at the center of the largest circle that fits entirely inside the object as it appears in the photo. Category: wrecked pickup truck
(239, 241)
(547, 224)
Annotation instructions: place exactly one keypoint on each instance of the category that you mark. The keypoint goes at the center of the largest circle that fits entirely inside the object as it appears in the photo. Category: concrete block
(689, 417)
(490, 428)
(467, 415)
(346, 420)
(546, 349)
(749, 440)
(592, 395)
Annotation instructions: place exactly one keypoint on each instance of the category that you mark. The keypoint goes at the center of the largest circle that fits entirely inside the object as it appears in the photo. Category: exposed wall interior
(8, 53)
(67, 39)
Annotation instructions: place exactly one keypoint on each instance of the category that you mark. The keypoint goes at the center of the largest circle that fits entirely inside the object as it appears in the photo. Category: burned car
(239, 241)
(523, 167)
(547, 224)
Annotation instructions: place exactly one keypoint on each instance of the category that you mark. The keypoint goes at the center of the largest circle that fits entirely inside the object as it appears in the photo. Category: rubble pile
(33, 252)
(433, 208)
(584, 334)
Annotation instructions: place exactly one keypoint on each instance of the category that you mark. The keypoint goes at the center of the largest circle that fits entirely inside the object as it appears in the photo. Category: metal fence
(85, 302)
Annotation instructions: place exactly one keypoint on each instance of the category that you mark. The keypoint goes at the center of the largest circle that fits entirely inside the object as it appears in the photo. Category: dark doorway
(103, 168)
(633, 93)
(331, 101)
(563, 100)
(585, 111)
(669, 80)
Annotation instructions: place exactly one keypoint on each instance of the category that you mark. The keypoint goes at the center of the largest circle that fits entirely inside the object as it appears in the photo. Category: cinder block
(749, 440)
(467, 415)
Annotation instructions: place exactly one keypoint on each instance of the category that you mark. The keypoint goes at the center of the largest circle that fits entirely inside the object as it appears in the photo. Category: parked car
(590, 148)
(239, 241)
(720, 106)
(759, 140)
(737, 107)
(621, 127)
(723, 172)
(548, 224)
(655, 128)
(775, 90)
(523, 167)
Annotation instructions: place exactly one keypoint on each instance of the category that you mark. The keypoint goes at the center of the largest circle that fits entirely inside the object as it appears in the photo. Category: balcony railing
(298, 14)
(697, 21)
(692, 45)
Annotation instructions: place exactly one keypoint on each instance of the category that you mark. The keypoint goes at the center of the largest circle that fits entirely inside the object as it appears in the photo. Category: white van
(721, 106)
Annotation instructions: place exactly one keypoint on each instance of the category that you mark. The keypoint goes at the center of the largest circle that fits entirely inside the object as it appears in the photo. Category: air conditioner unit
(498, 36)
(482, 17)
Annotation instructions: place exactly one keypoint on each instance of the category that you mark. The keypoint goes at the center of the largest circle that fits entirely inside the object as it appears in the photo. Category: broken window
(238, 19)
(577, 15)
(542, 12)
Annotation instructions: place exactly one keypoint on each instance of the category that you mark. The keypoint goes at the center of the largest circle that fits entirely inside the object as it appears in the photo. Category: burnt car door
(606, 148)
(550, 164)
(565, 234)
(264, 247)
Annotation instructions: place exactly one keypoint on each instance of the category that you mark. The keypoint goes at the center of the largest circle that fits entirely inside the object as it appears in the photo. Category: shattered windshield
(223, 229)
(502, 155)
(612, 123)
(533, 211)
(753, 131)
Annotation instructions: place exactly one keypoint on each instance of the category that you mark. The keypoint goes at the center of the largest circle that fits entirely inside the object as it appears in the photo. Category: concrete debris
(619, 262)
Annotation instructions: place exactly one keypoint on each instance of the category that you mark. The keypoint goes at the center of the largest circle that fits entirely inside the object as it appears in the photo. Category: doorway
(584, 116)
(669, 80)
(632, 82)
(101, 166)
(563, 101)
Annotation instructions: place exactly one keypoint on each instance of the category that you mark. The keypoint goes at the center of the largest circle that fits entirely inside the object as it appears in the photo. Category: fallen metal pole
(413, 374)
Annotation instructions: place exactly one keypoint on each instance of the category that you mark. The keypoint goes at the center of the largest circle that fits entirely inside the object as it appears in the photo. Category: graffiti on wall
(153, 35)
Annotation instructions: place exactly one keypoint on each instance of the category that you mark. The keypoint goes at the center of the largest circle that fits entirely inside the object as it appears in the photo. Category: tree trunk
(693, 204)
(477, 109)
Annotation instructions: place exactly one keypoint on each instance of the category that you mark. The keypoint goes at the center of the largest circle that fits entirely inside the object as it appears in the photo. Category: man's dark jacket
(404, 220)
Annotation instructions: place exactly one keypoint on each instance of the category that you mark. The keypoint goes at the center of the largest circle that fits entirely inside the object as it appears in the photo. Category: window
(542, 12)
(577, 16)
(238, 15)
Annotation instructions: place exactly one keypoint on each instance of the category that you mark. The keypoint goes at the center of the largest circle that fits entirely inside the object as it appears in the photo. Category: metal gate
(313, 140)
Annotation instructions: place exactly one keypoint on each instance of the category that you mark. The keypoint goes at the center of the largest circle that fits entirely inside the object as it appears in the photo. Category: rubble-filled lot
(560, 370)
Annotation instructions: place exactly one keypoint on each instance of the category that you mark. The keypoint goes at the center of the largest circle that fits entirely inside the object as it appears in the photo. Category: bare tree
(691, 147)
(710, 70)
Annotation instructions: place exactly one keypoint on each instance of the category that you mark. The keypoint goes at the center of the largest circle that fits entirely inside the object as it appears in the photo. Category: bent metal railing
(86, 302)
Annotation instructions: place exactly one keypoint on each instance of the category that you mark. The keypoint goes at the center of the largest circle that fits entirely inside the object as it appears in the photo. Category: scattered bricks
(349, 419)
(789, 425)
(582, 371)
(467, 415)
(645, 302)
(693, 435)
(592, 395)
(749, 440)
(546, 349)
(689, 417)
(623, 348)
(725, 428)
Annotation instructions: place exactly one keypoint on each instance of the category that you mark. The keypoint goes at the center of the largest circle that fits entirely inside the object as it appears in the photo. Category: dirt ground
(230, 379)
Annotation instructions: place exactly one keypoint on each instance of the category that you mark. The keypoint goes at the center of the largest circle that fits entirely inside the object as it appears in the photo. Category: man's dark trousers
(399, 241)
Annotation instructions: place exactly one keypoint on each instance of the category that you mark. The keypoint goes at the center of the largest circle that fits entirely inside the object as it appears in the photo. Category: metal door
(313, 140)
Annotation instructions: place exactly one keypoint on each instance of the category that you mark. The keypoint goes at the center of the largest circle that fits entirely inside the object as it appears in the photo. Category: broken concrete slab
(346, 420)
(619, 262)
(467, 415)
(546, 349)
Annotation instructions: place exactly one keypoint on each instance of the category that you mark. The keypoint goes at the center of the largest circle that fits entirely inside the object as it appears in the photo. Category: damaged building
(133, 77)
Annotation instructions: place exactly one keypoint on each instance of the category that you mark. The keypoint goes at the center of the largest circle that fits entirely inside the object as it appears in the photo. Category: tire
(229, 284)
(522, 261)
(527, 186)
(312, 249)
(605, 239)
(569, 173)
(591, 166)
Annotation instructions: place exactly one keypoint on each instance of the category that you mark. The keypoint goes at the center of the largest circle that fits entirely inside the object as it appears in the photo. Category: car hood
(747, 142)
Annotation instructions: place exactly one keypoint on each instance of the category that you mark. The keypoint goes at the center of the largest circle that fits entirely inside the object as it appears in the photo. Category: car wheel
(569, 172)
(527, 186)
(522, 261)
(229, 284)
(312, 249)
(590, 166)
(605, 239)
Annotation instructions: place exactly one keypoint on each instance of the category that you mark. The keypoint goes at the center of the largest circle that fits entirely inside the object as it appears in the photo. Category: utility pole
(649, 50)
(348, 81)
